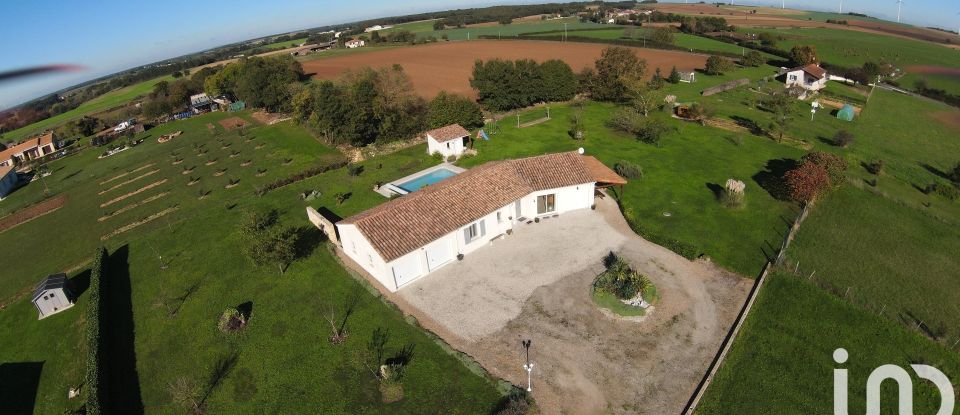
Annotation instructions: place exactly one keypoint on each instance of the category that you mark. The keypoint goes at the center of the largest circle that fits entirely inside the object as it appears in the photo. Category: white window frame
(547, 208)
(474, 231)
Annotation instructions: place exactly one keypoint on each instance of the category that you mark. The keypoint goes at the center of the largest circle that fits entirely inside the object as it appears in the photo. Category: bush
(732, 194)
(954, 174)
(753, 58)
(843, 138)
(832, 163)
(95, 397)
(807, 182)
(946, 190)
(628, 170)
(619, 279)
(231, 320)
(875, 168)
(354, 170)
(717, 65)
(451, 158)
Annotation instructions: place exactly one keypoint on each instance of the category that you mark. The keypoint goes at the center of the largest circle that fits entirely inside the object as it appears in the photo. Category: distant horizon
(127, 35)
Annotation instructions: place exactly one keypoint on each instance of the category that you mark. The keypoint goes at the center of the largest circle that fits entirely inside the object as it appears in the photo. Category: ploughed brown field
(447, 66)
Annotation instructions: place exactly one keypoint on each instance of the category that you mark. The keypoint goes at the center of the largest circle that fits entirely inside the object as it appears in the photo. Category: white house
(449, 141)
(53, 295)
(33, 148)
(355, 43)
(8, 180)
(413, 235)
(809, 77)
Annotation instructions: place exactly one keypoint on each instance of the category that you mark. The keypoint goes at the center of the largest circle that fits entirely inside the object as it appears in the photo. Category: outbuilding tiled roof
(407, 223)
(813, 70)
(450, 132)
(26, 145)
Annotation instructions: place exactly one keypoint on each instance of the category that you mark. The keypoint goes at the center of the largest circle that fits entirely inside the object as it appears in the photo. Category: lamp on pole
(529, 366)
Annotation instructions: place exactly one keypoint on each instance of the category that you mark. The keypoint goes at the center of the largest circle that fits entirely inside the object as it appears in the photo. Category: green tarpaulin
(846, 113)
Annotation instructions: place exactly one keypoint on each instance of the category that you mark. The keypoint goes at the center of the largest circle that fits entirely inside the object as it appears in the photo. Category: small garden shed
(53, 295)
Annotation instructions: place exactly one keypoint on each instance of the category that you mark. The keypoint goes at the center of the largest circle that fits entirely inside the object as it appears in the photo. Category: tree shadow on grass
(308, 238)
(716, 189)
(749, 124)
(19, 382)
(120, 368)
(936, 172)
(771, 179)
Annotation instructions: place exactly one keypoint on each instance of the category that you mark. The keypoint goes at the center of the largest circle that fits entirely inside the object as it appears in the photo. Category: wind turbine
(899, 6)
(841, 6)
(782, 4)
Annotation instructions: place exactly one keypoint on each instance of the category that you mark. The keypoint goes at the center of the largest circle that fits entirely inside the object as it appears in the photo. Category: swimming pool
(427, 179)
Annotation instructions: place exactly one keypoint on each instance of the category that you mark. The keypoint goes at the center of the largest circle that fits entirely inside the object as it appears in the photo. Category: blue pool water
(429, 178)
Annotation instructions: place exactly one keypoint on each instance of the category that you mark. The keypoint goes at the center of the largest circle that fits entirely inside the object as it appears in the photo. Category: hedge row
(95, 404)
(684, 249)
(623, 42)
(306, 174)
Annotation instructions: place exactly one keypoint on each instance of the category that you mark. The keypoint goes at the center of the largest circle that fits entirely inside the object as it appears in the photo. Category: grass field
(102, 103)
(510, 30)
(850, 48)
(782, 361)
(677, 178)
(683, 40)
(282, 361)
(279, 45)
(909, 268)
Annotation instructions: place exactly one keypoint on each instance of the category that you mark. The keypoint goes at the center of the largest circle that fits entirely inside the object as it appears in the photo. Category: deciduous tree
(616, 66)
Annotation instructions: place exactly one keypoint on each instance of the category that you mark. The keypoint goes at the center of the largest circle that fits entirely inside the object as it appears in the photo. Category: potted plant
(459, 257)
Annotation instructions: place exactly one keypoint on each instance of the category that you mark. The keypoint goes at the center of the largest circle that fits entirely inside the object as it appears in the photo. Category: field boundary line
(742, 317)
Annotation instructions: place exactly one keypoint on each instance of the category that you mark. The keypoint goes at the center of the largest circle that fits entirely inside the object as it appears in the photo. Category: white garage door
(439, 253)
(406, 269)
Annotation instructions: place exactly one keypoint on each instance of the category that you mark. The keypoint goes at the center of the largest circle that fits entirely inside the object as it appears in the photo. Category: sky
(108, 36)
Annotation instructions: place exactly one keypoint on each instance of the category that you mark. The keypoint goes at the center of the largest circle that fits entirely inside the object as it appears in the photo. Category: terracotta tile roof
(4, 170)
(450, 132)
(26, 145)
(407, 223)
(601, 173)
(813, 70)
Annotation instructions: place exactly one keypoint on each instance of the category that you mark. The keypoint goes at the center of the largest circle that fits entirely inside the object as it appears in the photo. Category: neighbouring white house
(8, 180)
(355, 43)
(413, 235)
(33, 148)
(53, 295)
(451, 140)
(809, 77)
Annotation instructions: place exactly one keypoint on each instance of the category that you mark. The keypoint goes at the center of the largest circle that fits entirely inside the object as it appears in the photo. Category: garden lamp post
(529, 366)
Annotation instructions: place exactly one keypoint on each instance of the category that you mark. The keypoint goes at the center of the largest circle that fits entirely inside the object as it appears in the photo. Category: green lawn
(283, 362)
(677, 179)
(415, 27)
(611, 302)
(683, 40)
(783, 362)
(102, 103)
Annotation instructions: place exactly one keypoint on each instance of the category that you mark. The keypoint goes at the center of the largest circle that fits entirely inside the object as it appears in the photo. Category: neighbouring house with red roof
(451, 140)
(33, 148)
(809, 77)
(413, 235)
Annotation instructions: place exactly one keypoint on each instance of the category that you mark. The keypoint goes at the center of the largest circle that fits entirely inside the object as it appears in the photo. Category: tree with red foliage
(807, 182)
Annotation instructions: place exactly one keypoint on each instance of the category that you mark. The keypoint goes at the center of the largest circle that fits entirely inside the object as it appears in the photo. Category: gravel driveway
(535, 284)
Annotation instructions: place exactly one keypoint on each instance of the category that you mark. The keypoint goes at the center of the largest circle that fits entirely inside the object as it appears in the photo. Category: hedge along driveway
(676, 180)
